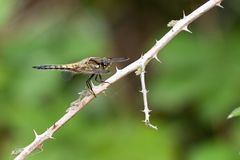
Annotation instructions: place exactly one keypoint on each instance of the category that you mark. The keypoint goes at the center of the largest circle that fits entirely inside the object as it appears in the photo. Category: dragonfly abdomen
(53, 67)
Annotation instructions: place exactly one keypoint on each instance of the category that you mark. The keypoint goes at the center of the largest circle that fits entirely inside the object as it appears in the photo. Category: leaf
(235, 113)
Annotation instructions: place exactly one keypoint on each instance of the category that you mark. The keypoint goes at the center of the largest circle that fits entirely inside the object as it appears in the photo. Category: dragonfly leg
(89, 84)
(100, 80)
(96, 78)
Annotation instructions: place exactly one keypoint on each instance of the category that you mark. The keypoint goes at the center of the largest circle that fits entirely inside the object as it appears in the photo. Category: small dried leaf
(138, 71)
(16, 151)
(172, 23)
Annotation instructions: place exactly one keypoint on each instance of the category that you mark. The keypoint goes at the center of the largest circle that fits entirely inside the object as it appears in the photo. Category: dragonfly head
(105, 62)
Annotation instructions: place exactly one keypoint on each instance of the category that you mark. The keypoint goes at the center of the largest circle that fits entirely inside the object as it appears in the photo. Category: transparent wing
(101, 71)
(67, 76)
(120, 59)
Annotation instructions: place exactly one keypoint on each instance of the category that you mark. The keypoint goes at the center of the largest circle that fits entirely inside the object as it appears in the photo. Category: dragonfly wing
(120, 59)
(67, 76)
(101, 71)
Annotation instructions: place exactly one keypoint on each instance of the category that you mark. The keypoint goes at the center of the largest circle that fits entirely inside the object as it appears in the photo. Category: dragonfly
(95, 66)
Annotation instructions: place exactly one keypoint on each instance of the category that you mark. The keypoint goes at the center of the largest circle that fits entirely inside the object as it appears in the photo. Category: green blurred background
(191, 92)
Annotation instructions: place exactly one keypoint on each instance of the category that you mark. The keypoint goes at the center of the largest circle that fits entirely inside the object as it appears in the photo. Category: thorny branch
(177, 27)
(145, 102)
(141, 71)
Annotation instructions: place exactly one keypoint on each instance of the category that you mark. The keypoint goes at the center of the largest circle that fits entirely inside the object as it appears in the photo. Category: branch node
(146, 110)
(144, 91)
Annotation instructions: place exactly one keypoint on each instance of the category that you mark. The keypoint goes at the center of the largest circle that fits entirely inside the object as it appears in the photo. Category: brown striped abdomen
(53, 67)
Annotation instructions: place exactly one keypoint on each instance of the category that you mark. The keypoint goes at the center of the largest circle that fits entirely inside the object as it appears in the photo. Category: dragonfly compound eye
(105, 63)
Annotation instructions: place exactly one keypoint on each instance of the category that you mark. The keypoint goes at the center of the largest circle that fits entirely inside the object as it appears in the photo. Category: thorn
(35, 133)
(152, 126)
(117, 69)
(157, 59)
(40, 147)
(82, 92)
(144, 91)
(104, 93)
(186, 29)
(54, 125)
(141, 56)
(147, 111)
(69, 109)
(219, 5)
(51, 137)
(184, 15)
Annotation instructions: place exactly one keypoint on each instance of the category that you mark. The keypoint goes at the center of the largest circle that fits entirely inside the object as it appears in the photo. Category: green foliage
(214, 150)
(6, 9)
(198, 71)
(235, 113)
